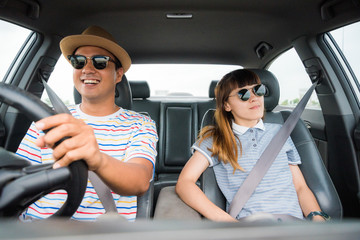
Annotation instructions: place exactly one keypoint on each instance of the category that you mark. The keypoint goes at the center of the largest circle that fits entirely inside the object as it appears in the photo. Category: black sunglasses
(99, 61)
(258, 90)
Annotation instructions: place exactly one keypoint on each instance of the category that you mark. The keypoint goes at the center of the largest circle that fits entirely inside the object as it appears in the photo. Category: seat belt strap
(268, 156)
(101, 189)
(103, 192)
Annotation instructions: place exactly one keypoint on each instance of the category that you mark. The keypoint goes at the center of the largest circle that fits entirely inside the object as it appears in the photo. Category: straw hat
(95, 36)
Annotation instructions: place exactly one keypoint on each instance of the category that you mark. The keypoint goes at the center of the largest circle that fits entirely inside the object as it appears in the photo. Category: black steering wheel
(21, 184)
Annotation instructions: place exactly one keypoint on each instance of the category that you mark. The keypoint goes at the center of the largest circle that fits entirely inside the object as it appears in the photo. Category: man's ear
(119, 74)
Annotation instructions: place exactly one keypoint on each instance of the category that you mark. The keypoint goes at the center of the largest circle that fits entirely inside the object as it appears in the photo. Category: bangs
(235, 79)
(242, 78)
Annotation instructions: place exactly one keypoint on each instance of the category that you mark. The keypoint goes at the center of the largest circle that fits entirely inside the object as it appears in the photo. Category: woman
(233, 145)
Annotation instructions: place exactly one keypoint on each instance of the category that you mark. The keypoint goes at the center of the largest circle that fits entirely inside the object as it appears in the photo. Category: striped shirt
(123, 135)
(276, 193)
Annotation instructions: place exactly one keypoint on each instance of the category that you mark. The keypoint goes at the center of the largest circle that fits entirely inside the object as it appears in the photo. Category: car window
(180, 80)
(61, 82)
(344, 43)
(293, 80)
(11, 41)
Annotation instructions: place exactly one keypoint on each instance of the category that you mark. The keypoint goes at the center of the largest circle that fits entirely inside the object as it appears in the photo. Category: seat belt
(101, 189)
(103, 192)
(268, 156)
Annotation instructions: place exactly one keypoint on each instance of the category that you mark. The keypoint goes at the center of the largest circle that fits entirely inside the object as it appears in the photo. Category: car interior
(248, 34)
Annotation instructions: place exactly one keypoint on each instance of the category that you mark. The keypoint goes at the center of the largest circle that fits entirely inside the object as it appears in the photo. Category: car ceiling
(225, 32)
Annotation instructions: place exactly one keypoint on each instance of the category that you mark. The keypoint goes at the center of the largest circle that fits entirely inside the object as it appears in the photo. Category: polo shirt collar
(238, 129)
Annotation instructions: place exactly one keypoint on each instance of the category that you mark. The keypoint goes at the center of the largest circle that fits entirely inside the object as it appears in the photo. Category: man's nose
(88, 65)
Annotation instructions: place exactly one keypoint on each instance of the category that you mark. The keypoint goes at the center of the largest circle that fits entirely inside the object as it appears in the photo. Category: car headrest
(139, 89)
(212, 88)
(271, 98)
(123, 96)
(272, 95)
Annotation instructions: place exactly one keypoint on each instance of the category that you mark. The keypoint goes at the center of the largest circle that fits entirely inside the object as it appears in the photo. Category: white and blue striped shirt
(123, 135)
(276, 193)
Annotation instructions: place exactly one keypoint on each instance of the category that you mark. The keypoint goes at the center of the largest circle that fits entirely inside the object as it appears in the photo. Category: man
(117, 144)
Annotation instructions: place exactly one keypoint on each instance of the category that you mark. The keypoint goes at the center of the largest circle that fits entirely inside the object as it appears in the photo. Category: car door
(332, 115)
(14, 43)
(342, 50)
(27, 58)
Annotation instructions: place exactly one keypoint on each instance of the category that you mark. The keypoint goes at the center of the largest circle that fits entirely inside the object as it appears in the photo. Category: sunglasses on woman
(99, 61)
(258, 90)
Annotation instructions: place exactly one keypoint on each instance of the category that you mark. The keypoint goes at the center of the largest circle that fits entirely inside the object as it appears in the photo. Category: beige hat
(95, 36)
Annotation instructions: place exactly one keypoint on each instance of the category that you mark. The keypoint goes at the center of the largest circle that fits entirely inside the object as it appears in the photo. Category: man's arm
(125, 178)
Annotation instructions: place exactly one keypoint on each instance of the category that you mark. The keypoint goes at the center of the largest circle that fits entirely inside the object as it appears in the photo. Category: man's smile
(90, 81)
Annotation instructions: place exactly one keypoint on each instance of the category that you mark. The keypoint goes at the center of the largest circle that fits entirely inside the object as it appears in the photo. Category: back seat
(204, 106)
(140, 93)
(177, 124)
(178, 131)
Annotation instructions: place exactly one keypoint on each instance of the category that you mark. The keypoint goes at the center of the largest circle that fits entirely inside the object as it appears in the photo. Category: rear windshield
(180, 80)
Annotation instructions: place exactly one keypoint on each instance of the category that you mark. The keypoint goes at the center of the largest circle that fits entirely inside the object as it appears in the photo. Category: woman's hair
(224, 142)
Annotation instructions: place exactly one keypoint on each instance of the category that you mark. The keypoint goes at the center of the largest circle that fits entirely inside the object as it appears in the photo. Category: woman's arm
(307, 200)
(192, 195)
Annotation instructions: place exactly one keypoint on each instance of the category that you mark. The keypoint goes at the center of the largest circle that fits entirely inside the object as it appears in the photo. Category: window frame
(343, 65)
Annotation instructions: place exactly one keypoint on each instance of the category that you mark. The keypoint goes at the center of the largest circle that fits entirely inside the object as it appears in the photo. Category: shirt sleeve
(143, 142)
(204, 148)
(27, 148)
(292, 153)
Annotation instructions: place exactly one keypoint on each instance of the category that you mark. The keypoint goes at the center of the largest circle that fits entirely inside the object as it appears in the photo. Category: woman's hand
(192, 195)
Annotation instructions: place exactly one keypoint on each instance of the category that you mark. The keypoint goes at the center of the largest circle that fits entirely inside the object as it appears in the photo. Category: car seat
(123, 98)
(312, 166)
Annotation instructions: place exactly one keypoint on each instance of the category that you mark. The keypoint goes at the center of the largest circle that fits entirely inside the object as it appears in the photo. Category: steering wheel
(21, 184)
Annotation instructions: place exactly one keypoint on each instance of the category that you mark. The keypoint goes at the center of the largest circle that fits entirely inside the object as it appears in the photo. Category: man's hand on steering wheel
(82, 143)
(24, 184)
